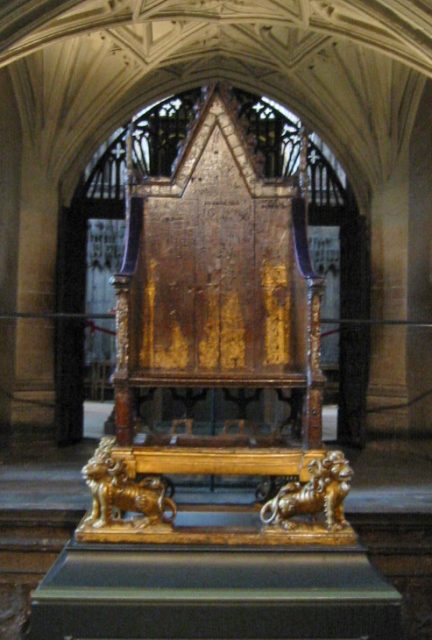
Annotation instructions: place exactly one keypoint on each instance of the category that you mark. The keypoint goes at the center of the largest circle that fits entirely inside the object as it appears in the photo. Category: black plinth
(118, 592)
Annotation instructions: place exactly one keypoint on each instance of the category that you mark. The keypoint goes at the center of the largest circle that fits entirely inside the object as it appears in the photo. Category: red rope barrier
(330, 333)
(94, 327)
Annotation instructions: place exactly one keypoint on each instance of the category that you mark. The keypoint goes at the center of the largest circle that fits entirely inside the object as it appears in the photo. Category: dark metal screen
(155, 138)
(277, 138)
(157, 133)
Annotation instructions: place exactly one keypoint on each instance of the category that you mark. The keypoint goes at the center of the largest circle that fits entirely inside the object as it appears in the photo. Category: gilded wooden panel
(216, 271)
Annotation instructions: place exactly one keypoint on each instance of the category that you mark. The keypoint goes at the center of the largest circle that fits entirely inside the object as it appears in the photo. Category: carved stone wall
(419, 355)
(389, 291)
(14, 610)
(33, 404)
(9, 222)
(400, 548)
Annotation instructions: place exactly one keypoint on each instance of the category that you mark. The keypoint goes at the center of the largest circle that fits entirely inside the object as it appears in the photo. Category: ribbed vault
(402, 29)
(352, 70)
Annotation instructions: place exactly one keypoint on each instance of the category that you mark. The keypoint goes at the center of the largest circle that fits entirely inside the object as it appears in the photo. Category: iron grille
(157, 133)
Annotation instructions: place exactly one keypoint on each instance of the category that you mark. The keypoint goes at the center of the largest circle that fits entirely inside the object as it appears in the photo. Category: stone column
(10, 159)
(389, 256)
(419, 343)
(32, 410)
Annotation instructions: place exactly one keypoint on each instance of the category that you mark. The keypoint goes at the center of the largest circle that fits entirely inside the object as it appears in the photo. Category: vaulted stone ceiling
(402, 29)
(354, 70)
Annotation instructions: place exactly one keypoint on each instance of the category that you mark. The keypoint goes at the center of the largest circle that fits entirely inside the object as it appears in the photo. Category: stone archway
(79, 68)
(155, 141)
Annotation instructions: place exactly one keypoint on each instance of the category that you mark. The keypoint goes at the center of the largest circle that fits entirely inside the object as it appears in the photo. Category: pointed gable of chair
(215, 144)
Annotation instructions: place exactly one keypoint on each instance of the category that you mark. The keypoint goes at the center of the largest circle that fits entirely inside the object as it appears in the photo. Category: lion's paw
(140, 523)
(338, 526)
(98, 524)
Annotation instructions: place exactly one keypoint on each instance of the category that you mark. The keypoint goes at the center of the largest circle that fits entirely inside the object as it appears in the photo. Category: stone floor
(389, 477)
(95, 414)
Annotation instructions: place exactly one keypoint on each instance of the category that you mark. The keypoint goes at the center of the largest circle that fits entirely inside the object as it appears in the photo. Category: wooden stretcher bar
(220, 461)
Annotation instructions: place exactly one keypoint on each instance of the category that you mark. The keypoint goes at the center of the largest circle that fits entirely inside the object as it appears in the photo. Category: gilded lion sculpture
(114, 493)
(324, 493)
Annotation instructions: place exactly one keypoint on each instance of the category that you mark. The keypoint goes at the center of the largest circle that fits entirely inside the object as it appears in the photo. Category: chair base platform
(130, 592)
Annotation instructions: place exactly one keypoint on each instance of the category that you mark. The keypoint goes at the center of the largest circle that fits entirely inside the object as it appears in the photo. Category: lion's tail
(269, 510)
(170, 506)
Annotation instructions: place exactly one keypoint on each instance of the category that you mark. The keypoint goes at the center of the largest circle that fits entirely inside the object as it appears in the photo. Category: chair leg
(124, 415)
(312, 418)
